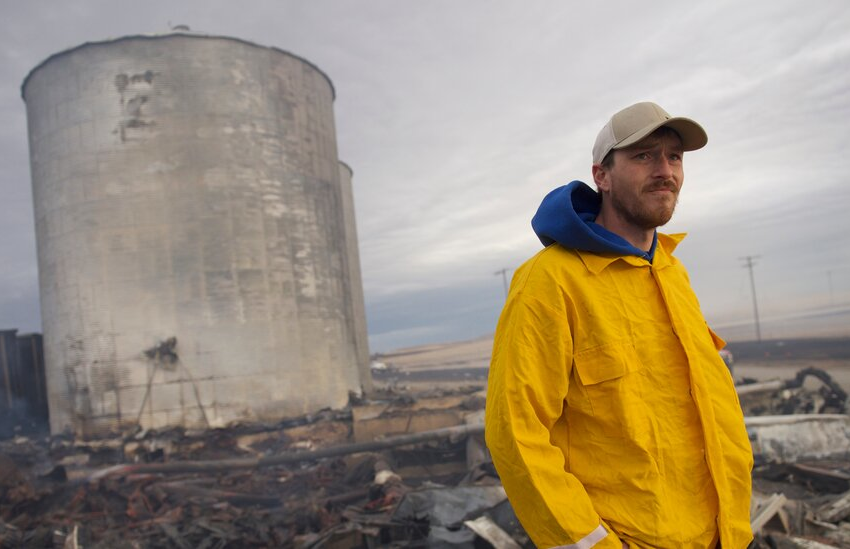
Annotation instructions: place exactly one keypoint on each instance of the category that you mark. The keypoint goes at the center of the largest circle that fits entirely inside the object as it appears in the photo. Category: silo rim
(173, 33)
(347, 167)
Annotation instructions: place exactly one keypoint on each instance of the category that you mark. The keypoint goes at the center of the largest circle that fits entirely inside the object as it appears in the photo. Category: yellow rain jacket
(610, 415)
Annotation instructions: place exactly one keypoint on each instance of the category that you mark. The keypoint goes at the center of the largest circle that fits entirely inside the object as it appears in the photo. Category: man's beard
(640, 214)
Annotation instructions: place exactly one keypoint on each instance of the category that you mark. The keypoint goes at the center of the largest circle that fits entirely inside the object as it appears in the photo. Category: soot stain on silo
(79, 395)
(134, 91)
(121, 81)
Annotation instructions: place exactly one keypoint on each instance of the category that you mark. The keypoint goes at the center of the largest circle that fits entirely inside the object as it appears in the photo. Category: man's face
(643, 184)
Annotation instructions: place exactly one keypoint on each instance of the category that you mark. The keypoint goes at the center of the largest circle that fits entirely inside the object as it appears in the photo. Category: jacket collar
(596, 263)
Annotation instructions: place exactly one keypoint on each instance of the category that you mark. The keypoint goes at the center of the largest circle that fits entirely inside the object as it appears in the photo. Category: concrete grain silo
(196, 246)
(354, 290)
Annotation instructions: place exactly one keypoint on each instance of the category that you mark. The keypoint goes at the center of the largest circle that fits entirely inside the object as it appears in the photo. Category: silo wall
(354, 289)
(191, 236)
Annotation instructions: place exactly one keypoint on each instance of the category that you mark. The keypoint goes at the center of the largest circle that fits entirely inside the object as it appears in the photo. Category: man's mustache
(668, 185)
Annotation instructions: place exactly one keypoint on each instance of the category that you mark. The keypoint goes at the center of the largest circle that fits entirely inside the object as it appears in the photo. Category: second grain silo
(195, 240)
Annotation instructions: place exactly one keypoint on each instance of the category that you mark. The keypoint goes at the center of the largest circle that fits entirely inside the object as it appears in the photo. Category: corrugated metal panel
(31, 354)
(23, 404)
(9, 364)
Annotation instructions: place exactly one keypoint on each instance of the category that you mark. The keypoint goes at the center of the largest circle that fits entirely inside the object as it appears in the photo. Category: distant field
(832, 322)
(467, 362)
(461, 354)
(476, 353)
(792, 349)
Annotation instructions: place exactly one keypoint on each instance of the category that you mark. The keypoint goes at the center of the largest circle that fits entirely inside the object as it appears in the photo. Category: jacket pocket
(607, 362)
(612, 381)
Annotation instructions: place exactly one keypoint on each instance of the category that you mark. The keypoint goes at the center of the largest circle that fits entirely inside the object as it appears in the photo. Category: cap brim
(692, 134)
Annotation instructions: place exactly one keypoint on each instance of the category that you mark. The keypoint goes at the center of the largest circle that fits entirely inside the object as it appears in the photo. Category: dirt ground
(466, 363)
(462, 354)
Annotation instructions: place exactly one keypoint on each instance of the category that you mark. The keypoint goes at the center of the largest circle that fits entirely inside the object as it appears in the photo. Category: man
(611, 418)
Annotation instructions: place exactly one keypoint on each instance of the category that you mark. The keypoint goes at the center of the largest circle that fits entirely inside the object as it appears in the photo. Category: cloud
(457, 118)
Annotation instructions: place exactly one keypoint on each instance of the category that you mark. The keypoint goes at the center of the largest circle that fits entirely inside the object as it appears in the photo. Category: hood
(567, 216)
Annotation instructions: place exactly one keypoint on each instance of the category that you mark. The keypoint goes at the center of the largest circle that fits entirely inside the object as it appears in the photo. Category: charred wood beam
(286, 458)
(236, 498)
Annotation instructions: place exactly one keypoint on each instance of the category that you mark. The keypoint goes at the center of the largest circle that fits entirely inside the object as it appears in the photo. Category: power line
(748, 263)
(829, 282)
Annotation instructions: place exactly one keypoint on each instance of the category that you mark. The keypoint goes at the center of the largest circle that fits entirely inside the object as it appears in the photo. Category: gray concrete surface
(354, 288)
(189, 186)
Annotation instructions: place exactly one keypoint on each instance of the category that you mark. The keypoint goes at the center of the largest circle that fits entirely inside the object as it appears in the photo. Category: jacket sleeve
(526, 397)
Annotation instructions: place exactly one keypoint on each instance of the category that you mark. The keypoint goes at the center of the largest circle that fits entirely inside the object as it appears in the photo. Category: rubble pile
(356, 478)
(400, 470)
(802, 505)
(811, 391)
(800, 432)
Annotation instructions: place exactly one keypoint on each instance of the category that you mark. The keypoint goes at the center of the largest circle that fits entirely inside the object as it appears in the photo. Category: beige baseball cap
(632, 124)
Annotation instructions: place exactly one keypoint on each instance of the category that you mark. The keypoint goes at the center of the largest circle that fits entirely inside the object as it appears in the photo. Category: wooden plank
(766, 512)
(837, 510)
(484, 527)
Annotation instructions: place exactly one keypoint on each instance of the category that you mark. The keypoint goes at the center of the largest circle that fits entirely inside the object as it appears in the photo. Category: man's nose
(663, 168)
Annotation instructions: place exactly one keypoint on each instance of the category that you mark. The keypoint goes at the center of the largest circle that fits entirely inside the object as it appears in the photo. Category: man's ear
(600, 177)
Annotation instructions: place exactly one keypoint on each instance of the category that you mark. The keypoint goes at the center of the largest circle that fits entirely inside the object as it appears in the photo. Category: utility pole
(748, 263)
(504, 273)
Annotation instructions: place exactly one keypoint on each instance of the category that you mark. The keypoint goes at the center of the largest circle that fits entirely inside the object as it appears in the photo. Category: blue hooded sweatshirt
(567, 216)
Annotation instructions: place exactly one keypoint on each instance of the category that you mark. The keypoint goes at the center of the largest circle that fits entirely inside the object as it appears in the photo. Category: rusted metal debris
(408, 470)
(301, 483)
(790, 396)
(802, 455)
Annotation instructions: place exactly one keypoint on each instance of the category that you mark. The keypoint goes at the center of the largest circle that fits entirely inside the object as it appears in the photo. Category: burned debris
(402, 469)
(789, 396)
(801, 478)
(321, 481)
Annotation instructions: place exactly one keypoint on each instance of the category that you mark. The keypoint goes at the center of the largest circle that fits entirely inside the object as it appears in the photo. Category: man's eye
(642, 156)
(676, 157)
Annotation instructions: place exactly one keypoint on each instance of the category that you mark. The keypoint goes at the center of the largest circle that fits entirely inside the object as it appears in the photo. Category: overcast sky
(458, 117)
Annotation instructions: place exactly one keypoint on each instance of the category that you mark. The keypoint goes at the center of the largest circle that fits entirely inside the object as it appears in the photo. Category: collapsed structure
(404, 469)
(197, 248)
